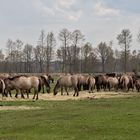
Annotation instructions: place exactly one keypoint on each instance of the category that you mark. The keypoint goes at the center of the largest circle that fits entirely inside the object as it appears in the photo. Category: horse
(111, 74)
(67, 81)
(91, 83)
(83, 81)
(45, 82)
(25, 83)
(9, 86)
(126, 82)
(101, 82)
(112, 82)
(137, 84)
(2, 87)
(48, 79)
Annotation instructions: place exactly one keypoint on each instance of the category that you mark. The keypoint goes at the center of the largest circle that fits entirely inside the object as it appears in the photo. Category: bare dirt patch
(82, 95)
(18, 108)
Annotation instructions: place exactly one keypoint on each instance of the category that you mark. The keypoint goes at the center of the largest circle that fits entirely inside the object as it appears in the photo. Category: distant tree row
(71, 54)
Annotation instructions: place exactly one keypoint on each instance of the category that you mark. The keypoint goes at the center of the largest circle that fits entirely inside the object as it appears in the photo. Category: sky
(99, 20)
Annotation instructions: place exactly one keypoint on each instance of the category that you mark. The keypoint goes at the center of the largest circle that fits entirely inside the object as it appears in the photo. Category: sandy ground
(82, 95)
(48, 97)
(18, 108)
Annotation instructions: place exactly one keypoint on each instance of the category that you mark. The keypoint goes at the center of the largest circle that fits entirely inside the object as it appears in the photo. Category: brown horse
(101, 82)
(25, 83)
(65, 82)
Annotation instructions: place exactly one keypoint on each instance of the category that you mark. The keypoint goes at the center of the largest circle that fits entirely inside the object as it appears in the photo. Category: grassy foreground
(102, 119)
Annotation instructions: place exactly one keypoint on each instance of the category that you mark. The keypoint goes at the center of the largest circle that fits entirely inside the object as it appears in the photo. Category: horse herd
(24, 83)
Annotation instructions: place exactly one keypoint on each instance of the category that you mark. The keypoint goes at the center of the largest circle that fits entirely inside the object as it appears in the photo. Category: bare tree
(64, 36)
(138, 36)
(77, 38)
(86, 52)
(1, 55)
(40, 49)
(103, 51)
(49, 50)
(125, 39)
(19, 55)
(27, 54)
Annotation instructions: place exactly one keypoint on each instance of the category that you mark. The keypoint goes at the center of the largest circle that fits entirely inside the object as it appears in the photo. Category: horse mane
(16, 77)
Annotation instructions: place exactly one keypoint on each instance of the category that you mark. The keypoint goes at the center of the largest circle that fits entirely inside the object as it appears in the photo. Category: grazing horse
(67, 81)
(48, 79)
(45, 82)
(2, 87)
(25, 83)
(112, 82)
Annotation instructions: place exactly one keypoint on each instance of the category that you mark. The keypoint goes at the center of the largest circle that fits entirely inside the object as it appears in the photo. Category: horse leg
(43, 89)
(5, 93)
(77, 91)
(22, 94)
(16, 93)
(28, 94)
(10, 93)
(74, 91)
(36, 91)
(90, 88)
(66, 90)
(61, 90)
(34, 94)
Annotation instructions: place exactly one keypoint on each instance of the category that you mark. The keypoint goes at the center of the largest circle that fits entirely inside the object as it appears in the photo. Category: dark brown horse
(101, 82)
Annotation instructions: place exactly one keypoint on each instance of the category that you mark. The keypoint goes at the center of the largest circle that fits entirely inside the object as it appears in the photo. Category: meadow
(89, 119)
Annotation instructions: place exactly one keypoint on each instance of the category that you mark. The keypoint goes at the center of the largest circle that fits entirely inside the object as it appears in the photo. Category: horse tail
(3, 86)
(39, 85)
(56, 87)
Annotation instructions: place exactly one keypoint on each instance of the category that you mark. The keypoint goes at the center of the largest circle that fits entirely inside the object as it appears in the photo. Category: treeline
(68, 52)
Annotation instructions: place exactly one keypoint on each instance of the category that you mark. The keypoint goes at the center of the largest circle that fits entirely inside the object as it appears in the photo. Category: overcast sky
(99, 20)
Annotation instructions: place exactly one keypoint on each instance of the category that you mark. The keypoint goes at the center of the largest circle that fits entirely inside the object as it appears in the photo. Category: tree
(19, 54)
(40, 50)
(86, 52)
(49, 50)
(103, 52)
(138, 36)
(125, 39)
(65, 37)
(1, 55)
(77, 38)
(27, 53)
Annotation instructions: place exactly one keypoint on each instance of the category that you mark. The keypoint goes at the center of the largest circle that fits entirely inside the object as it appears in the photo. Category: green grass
(102, 119)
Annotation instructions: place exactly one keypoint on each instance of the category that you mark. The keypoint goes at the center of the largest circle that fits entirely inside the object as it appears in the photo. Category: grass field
(99, 119)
